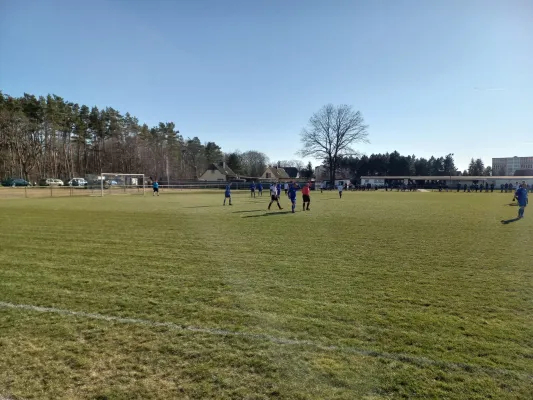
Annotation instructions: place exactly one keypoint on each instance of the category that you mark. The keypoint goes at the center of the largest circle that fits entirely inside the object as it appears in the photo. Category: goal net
(109, 183)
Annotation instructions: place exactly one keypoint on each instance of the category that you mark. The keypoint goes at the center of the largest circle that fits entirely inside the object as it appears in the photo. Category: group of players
(521, 194)
(275, 194)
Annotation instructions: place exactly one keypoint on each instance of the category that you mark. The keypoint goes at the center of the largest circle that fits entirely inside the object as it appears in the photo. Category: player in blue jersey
(521, 197)
(260, 189)
(252, 189)
(278, 189)
(293, 187)
(227, 194)
(155, 187)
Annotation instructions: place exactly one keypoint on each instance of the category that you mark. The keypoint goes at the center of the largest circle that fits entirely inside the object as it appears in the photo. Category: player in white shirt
(274, 196)
(341, 188)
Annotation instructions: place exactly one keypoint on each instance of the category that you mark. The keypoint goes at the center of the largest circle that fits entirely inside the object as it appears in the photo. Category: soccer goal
(119, 183)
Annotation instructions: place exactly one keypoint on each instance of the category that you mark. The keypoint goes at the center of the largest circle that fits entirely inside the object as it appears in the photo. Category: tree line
(43, 137)
(395, 164)
(49, 137)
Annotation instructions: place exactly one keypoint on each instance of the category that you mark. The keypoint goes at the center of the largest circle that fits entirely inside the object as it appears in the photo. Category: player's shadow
(508, 221)
(267, 214)
(513, 204)
(245, 211)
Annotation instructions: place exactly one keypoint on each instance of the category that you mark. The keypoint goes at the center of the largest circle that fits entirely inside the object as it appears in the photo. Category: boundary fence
(96, 190)
(63, 191)
(200, 187)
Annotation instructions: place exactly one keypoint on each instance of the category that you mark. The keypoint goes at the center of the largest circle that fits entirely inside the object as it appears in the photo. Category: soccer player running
(252, 189)
(227, 194)
(340, 187)
(155, 187)
(292, 195)
(306, 196)
(274, 196)
(521, 196)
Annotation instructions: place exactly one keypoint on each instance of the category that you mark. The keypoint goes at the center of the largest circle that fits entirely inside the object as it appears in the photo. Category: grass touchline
(281, 341)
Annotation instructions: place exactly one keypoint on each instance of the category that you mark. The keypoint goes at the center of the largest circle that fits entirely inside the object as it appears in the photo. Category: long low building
(448, 180)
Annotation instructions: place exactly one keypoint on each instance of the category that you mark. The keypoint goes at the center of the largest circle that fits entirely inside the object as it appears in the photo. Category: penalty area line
(416, 360)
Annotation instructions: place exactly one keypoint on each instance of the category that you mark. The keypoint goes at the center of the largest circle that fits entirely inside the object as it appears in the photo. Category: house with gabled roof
(275, 173)
(218, 172)
(292, 172)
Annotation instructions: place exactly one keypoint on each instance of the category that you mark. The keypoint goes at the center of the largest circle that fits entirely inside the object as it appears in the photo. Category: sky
(429, 77)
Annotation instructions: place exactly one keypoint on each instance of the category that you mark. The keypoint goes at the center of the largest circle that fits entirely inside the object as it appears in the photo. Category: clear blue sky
(248, 74)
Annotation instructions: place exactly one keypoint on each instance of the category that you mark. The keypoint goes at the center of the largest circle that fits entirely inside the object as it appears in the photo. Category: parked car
(51, 182)
(77, 182)
(15, 182)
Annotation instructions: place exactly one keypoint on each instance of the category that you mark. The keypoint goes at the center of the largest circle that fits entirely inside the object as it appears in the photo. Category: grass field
(375, 296)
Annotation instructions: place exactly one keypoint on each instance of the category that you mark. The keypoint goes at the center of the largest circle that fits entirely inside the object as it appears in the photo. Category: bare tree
(253, 163)
(331, 133)
(299, 164)
(285, 163)
(291, 163)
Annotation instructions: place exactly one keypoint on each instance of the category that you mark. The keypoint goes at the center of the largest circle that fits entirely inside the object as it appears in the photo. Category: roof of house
(279, 173)
(291, 171)
(222, 167)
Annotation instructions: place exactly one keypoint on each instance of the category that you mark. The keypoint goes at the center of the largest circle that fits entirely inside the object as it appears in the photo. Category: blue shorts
(293, 201)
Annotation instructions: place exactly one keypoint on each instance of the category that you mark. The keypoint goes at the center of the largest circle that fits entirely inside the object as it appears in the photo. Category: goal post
(121, 183)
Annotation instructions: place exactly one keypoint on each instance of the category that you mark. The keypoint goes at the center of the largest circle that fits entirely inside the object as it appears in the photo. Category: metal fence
(64, 191)
(95, 190)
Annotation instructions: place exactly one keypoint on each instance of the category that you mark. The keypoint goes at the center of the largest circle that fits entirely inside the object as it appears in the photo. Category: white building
(218, 172)
(509, 165)
(321, 173)
(451, 181)
(378, 180)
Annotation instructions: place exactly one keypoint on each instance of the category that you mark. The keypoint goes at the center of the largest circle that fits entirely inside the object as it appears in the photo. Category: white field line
(417, 360)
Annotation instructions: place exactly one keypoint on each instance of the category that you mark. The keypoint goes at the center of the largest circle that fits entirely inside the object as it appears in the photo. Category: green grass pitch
(374, 296)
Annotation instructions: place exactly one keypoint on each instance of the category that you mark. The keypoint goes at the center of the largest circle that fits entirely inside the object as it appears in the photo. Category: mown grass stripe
(416, 360)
